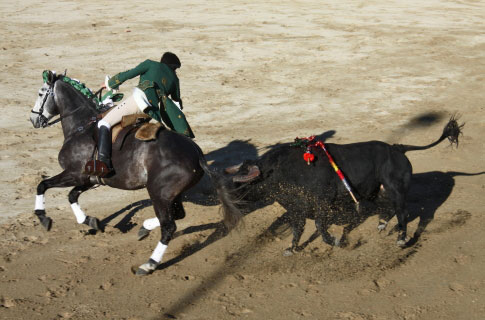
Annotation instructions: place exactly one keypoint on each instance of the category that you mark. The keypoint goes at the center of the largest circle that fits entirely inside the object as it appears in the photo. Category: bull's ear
(253, 173)
(49, 77)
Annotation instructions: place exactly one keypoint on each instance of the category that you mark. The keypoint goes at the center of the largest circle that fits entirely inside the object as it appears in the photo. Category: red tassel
(308, 157)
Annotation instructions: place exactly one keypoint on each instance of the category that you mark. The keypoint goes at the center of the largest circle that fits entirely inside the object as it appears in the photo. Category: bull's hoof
(337, 242)
(147, 268)
(402, 241)
(93, 223)
(46, 222)
(288, 252)
(381, 226)
(143, 233)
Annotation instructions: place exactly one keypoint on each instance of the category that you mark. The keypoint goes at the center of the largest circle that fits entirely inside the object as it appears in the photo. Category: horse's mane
(80, 87)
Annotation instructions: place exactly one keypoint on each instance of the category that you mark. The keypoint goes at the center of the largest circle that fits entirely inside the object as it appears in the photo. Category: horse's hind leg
(80, 216)
(152, 223)
(164, 211)
(62, 180)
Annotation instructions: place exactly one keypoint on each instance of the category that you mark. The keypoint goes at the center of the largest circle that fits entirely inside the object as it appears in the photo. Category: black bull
(374, 169)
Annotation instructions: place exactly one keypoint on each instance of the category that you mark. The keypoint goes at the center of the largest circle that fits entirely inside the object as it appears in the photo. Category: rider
(157, 81)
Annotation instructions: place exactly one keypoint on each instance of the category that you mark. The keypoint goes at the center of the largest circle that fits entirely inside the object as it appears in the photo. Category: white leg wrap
(158, 252)
(39, 202)
(80, 216)
(151, 224)
(104, 123)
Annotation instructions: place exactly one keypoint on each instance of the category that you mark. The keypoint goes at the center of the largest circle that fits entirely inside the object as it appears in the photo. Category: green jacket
(158, 81)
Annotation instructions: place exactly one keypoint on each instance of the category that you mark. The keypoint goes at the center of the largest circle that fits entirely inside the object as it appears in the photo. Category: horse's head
(44, 108)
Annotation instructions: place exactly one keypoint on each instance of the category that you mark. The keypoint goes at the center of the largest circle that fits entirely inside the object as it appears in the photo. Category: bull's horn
(253, 174)
(233, 169)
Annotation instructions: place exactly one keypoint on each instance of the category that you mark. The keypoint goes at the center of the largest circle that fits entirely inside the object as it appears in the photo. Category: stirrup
(97, 168)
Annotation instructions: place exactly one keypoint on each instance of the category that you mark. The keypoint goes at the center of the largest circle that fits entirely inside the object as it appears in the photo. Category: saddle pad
(131, 119)
(148, 131)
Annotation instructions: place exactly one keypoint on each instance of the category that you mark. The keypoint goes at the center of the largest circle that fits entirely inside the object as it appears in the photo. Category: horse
(166, 166)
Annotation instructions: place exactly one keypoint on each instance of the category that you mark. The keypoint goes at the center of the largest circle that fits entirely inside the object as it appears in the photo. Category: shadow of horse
(125, 224)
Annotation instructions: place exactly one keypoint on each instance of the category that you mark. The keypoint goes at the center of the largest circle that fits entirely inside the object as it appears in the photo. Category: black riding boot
(102, 166)
(104, 149)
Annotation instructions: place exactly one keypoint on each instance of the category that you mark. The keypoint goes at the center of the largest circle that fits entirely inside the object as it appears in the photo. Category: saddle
(137, 124)
(133, 123)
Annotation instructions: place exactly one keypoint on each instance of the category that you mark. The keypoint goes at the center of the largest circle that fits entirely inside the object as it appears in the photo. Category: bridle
(43, 121)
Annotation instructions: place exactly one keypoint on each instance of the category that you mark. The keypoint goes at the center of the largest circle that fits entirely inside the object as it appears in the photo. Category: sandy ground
(253, 74)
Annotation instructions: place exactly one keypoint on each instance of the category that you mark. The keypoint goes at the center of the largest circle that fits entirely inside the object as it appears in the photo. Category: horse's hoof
(142, 272)
(147, 268)
(46, 222)
(143, 233)
(92, 222)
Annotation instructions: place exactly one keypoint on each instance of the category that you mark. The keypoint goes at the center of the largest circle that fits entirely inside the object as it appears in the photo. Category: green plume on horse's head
(48, 76)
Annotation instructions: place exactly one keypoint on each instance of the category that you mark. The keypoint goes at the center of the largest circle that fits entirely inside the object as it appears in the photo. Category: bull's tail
(232, 215)
(452, 131)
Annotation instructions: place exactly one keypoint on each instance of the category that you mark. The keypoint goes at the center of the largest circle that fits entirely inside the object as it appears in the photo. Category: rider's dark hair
(171, 60)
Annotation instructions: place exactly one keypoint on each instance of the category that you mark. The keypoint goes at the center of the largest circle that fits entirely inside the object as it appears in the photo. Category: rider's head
(171, 60)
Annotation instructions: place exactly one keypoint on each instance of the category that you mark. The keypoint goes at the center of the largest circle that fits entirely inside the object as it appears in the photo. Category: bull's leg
(62, 180)
(384, 217)
(163, 209)
(76, 209)
(402, 221)
(322, 226)
(397, 197)
(297, 224)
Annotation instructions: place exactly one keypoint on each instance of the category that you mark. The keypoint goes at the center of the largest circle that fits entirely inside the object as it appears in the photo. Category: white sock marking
(151, 224)
(158, 252)
(39, 202)
(80, 216)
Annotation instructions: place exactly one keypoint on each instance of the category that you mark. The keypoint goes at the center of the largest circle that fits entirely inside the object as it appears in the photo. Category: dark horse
(167, 166)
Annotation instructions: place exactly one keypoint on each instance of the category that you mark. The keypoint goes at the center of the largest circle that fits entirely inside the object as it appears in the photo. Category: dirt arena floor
(253, 74)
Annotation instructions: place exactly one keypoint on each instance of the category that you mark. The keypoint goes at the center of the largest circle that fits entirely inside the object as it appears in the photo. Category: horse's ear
(49, 76)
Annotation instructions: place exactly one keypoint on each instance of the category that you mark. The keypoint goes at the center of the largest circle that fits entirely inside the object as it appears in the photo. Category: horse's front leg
(62, 180)
(81, 217)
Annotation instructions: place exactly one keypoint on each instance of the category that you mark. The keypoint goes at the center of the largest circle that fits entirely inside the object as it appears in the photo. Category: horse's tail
(232, 215)
(452, 131)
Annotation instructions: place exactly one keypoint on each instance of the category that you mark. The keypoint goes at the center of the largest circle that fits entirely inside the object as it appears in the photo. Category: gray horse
(167, 166)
